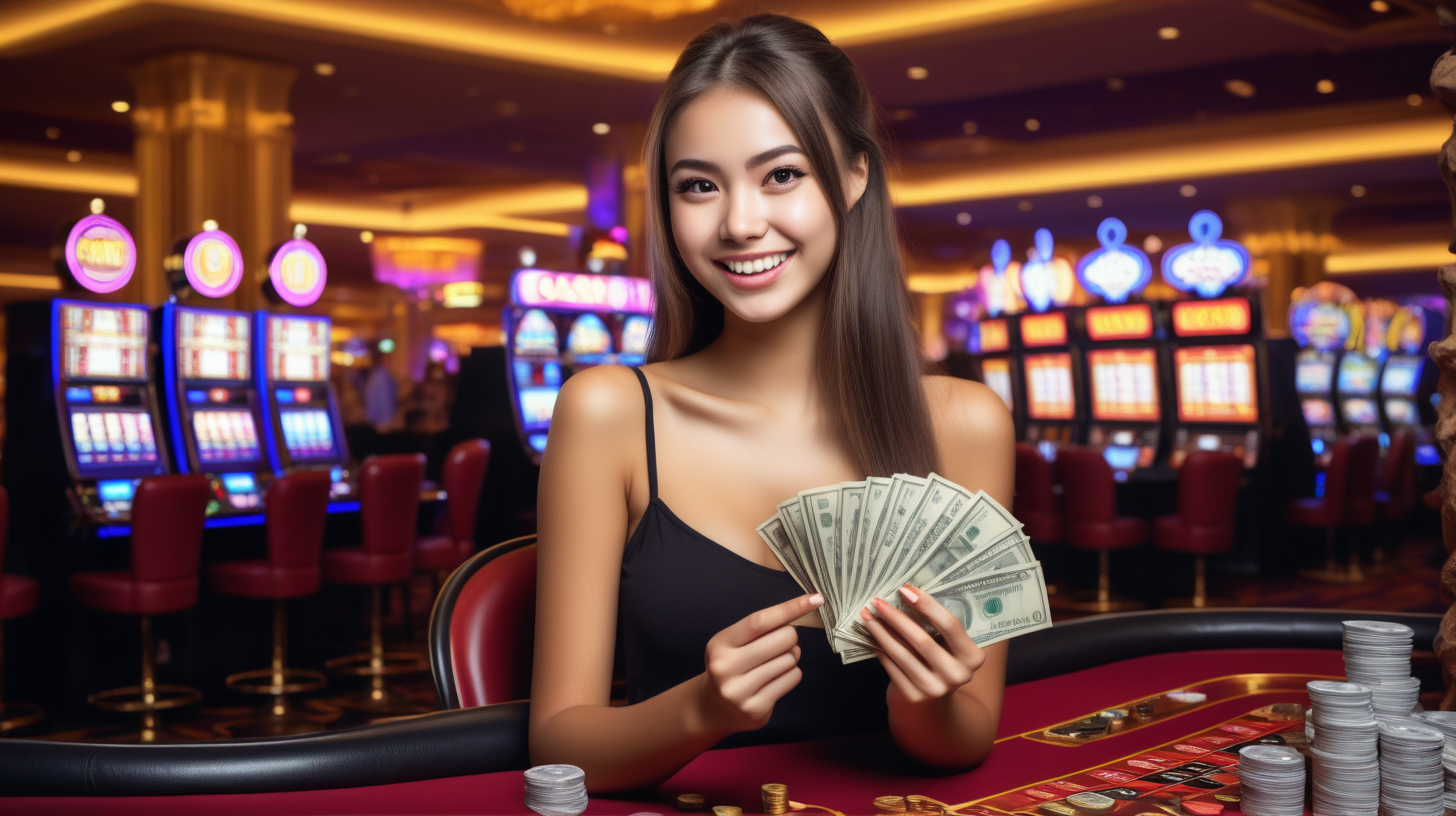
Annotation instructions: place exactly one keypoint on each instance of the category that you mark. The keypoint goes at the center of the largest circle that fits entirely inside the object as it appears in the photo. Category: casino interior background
(470, 172)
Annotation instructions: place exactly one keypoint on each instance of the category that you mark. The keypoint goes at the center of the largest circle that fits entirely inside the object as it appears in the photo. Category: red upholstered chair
(1395, 493)
(464, 474)
(483, 626)
(1352, 461)
(19, 596)
(1089, 499)
(297, 506)
(1036, 504)
(1208, 491)
(167, 514)
(389, 497)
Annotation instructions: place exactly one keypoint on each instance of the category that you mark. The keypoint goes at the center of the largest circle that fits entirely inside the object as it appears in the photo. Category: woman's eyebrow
(694, 164)
(754, 161)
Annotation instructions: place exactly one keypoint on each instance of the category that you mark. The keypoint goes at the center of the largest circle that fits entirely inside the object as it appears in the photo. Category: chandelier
(552, 11)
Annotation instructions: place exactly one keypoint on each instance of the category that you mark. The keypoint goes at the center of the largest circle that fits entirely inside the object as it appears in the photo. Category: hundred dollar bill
(985, 524)
(1012, 551)
(851, 503)
(999, 605)
(793, 515)
(821, 517)
(877, 493)
(904, 495)
(776, 536)
(941, 506)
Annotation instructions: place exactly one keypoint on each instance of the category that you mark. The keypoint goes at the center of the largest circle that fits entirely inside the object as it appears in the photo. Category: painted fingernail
(870, 608)
(879, 604)
(816, 600)
(864, 615)
(909, 594)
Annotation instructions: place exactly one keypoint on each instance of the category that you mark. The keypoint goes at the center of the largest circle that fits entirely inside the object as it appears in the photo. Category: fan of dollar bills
(856, 541)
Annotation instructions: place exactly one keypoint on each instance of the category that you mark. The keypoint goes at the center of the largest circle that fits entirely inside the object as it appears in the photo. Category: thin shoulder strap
(651, 438)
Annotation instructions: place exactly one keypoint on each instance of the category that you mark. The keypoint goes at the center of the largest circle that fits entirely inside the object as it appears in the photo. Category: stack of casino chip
(1445, 722)
(1345, 749)
(556, 790)
(1272, 780)
(1378, 656)
(1412, 780)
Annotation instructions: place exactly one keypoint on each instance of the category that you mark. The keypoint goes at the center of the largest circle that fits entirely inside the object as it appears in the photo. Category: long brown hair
(869, 362)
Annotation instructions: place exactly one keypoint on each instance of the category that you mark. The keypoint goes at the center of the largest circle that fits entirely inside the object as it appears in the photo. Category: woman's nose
(744, 218)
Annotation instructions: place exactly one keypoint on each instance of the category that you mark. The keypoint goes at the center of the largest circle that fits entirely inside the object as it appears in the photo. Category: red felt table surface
(845, 773)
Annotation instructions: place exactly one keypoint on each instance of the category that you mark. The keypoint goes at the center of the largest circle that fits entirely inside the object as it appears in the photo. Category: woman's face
(749, 217)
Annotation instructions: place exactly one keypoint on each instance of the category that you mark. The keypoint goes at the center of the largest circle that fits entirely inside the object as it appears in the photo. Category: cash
(857, 541)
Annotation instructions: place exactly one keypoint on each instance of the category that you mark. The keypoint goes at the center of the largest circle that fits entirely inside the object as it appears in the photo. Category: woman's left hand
(921, 667)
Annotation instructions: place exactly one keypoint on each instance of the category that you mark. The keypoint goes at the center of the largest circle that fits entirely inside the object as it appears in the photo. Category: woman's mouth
(755, 273)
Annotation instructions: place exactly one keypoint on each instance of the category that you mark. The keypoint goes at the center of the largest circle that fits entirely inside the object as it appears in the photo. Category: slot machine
(1219, 359)
(1407, 382)
(998, 369)
(1320, 323)
(1355, 379)
(597, 315)
(302, 426)
(1051, 370)
(990, 339)
(1127, 372)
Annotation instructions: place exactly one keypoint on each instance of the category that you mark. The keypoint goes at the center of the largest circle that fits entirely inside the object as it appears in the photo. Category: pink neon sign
(100, 253)
(213, 263)
(577, 292)
(298, 272)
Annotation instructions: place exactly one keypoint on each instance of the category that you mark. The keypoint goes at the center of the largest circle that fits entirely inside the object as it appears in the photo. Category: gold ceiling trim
(457, 29)
(59, 174)
(1388, 258)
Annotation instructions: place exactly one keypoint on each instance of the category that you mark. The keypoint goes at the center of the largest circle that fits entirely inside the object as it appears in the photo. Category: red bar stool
(1208, 492)
(1395, 497)
(464, 474)
(1089, 496)
(297, 507)
(1036, 504)
(166, 551)
(19, 596)
(389, 496)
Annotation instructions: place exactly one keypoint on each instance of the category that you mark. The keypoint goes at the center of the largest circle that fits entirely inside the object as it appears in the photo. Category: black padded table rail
(493, 738)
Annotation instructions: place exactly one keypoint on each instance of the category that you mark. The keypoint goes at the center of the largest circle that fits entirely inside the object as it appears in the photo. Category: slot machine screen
(225, 437)
(997, 374)
(634, 339)
(107, 439)
(213, 345)
(308, 434)
(1318, 413)
(1357, 374)
(588, 341)
(1216, 384)
(99, 342)
(298, 349)
(1049, 386)
(1401, 412)
(1314, 374)
(535, 334)
(1124, 385)
(1401, 377)
(536, 407)
(1360, 412)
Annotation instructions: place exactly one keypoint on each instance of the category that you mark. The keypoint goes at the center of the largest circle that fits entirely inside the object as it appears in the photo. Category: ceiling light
(1379, 6)
(324, 69)
(209, 225)
(1168, 33)
(1414, 100)
(366, 236)
(97, 206)
(963, 218)
(1094, 201)
(121, 106)
(969, 128)
(1325, 86)
(1240, 88)
(53, 133)
(1033, 125)
(507, 108)
(601, 128)
(1152, 244)
(73, 156)
(1188, 191)
(1358, 191)
(916, 72)
(1023, 205)
(1116, 84)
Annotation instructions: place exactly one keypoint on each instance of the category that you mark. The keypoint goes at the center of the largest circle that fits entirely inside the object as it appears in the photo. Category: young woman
(783, 358)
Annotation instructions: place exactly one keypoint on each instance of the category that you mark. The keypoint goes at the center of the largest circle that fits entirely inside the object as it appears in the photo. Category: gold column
(1288, 239)
(932, 324)
(214, 140)
(634, 197)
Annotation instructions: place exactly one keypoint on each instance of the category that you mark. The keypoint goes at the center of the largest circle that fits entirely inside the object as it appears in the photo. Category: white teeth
(757, 265)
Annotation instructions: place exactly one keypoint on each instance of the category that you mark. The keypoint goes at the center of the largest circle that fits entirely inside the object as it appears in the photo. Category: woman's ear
(856, 177)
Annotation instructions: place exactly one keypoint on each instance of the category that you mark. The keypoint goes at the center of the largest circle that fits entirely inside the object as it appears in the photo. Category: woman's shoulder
(600, 397)
(967, 411)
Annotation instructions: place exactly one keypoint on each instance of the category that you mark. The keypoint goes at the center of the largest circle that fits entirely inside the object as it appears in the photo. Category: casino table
(1182, 691)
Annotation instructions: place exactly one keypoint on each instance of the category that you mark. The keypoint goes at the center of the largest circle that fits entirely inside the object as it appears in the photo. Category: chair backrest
(1399, 465)
(389, 499)
(1337, 474)
(1364, 461)
(482, 629)
(1089, 493)
(167, 515)
(298, 507)
(4, 523)
(1208, 488)
(1035, 482)
(464, 474)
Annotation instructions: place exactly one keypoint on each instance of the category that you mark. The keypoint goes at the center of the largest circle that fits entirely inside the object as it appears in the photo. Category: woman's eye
(784, 175)
(698, 186)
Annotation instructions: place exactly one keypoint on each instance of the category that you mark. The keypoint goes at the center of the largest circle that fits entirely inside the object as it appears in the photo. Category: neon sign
(298, 272)
(994, 287)
(1114, 271)
(1321, 316)
(576, 292)
(1210, 264)
(1038, 278)
(1196, 318)
(1407, 330)
(213, 263)
(1044, 330)
(1132, 322)
(100, 253)
(994, 335)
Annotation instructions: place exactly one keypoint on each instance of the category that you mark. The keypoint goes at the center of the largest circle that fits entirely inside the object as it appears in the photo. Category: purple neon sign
(298, 272)
(573, 291)
(213, 263)
(100, 253)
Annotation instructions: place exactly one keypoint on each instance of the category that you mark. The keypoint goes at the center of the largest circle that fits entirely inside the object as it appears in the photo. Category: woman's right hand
(751, 664)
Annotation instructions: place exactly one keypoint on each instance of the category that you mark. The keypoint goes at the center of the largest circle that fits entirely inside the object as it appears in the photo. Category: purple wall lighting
(1116, 270)
(298, 272)
(213, 263)
(100, 253)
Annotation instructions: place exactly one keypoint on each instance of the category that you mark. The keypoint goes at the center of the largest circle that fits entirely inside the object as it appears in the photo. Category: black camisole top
(679, 588)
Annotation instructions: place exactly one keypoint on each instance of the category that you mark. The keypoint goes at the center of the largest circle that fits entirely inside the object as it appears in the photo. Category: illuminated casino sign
(1198, 318)
(1116, 270)
(213, 263)
(1407, 330)
(1321, 316)
(995, 289)
(1044, 330)
(571, 291)
(1210, 264)
(995, 336)
(298, 272)
(1131, 322)
(1378, 338)
(100, 253)
(1038, 278)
